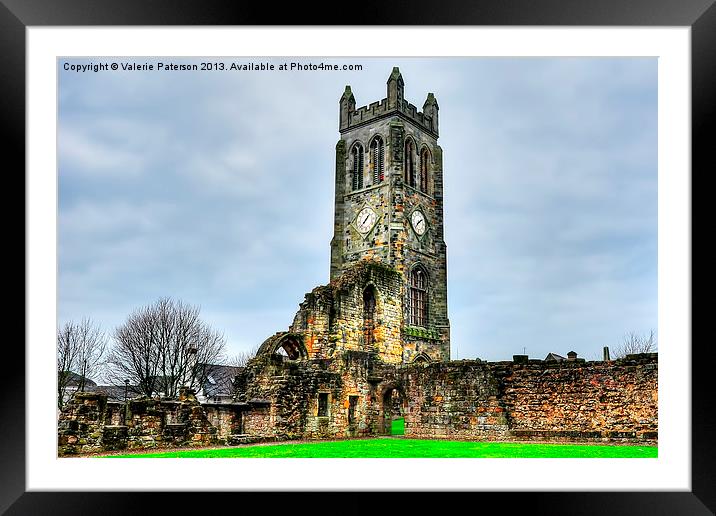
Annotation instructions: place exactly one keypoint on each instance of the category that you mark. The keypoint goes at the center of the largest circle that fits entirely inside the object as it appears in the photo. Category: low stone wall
(537, 400)
(90, 424)
(581, 400)
(454, 400)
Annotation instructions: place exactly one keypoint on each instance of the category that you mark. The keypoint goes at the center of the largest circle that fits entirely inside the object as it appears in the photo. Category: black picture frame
(699, 15)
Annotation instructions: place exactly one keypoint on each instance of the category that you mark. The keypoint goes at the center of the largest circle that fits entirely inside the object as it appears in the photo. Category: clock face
(418, 221)
(366, 220)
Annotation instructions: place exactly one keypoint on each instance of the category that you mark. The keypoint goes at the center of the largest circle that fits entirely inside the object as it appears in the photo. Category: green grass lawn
(413, 448)
(397, 426)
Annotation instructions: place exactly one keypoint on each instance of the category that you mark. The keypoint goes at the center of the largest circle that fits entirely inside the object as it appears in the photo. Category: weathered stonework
(352, 359)
(90, 424)
(467, 399)
(392, 240)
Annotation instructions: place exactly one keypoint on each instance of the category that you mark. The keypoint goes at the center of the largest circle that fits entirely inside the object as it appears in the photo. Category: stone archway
(392, 411)
(291, 347)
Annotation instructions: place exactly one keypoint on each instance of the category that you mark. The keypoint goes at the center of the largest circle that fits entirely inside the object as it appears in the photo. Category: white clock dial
(418, 221)
(365, 220)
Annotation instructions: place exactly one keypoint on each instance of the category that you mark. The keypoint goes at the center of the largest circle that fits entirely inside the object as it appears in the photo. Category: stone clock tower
(389, 209)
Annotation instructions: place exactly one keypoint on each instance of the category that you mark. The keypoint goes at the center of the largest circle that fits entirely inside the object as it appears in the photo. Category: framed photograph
(69, 56)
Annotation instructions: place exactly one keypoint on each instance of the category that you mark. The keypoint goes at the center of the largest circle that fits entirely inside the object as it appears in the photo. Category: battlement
(394, 103)
(380, 109)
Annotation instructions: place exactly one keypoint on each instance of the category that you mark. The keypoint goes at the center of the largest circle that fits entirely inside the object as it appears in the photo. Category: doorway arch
(392, 409)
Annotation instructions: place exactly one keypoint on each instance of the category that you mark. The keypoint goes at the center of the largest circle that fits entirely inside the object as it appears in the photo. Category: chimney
(520, 359)
(606, 354)
(572, 356)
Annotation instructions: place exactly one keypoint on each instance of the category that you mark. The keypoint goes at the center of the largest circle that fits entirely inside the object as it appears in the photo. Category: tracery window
(418, 298)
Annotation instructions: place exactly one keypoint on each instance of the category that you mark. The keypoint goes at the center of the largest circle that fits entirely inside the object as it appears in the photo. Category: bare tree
(163, 347)
(242, 358)
(633, 343)
(80, 350)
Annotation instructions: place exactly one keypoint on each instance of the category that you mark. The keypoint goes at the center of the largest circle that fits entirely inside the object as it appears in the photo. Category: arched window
(357, 174)
(368, 317)
(424, 169)
(418, 298)
(409, 162)
(377, 159)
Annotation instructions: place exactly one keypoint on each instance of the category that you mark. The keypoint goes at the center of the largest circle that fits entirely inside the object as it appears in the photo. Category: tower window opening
(409, 163)
(357, 179)
(377, 159)
(424, 168)
(418, 298)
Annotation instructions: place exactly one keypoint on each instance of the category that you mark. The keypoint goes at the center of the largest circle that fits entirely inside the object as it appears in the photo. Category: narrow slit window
(352, 404)
(368, 318)
(322, 404)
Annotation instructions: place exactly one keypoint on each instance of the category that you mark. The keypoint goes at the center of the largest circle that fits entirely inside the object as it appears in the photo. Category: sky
(217, 188)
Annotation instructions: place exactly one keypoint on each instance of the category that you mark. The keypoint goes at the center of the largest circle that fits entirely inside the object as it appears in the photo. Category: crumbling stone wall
(575, 399)
(458, 400)
(81, 424)
(281, 399)
(468, 399)
(90, 424)
(330, 319)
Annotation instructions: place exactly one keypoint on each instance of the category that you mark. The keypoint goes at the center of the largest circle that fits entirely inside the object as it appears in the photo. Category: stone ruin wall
(569, 400)
(592, 400)
(90, 424)
(469, 399)
(454, 400)
(330, 319)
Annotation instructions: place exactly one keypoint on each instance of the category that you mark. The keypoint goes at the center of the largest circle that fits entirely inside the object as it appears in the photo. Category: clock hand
(366, 218)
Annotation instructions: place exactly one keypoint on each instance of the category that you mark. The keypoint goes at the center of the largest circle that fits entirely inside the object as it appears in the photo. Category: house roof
(555, 357)
(219, 379)
(115, 392)
(75, 379)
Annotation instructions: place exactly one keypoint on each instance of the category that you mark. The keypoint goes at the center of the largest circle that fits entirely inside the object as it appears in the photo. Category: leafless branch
(81, 348)
(633, 343)
(160, 348)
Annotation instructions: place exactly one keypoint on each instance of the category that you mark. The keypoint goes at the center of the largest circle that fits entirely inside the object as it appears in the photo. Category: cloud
(219, 189)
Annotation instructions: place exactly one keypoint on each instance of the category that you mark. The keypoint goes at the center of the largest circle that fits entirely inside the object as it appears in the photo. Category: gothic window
(377, 159)
(418, 298)
(368, 317)
(424, 169)
(409, 163)
(357, 172)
